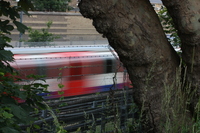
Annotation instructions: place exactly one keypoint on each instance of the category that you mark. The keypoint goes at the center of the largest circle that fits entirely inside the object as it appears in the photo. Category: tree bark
(186, 17)
(133, 29)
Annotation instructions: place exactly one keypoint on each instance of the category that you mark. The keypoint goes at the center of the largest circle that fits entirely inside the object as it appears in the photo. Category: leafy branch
(41, 38)
(169, 27)
(16, 101)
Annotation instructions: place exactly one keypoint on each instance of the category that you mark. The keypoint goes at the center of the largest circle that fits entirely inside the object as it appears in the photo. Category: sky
(155, 1)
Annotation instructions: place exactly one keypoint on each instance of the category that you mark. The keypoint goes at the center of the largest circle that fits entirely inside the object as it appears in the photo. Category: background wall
(71, 26)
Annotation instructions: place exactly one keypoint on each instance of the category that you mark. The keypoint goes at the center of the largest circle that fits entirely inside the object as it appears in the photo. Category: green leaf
(60, 85)
(3, 23)
(7, 100)
(9, 27)
(28, 129)
(2, 74)
(13, 13)
(20, 27)
(97, 93)
(61, 92)
(20, 113)
(9, 130)
(61, 98)
(79, 129)
(36, 126)
(41, 105)
(4, 40)
(7, 115)
(6, 55)
(21, 95)
(25, 4)
(63, 104)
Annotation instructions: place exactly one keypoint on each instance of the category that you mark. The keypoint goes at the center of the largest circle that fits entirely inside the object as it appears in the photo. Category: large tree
(133, 29)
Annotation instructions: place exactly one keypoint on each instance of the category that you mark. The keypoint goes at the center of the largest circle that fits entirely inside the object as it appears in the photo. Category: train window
(109, 65)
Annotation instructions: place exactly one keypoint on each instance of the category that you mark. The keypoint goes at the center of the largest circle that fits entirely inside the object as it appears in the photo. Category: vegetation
(177, 123)
(178, 113)
(169, 27)
(51, 5)
(15, 104)
(41, 38)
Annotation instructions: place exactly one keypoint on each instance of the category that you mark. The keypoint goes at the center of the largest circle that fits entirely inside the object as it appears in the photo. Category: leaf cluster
(41, 38)
(9, 17)
(169, 27)
(16, 101)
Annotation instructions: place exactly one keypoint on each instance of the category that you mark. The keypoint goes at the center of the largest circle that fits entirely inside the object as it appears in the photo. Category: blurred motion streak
(81, 69)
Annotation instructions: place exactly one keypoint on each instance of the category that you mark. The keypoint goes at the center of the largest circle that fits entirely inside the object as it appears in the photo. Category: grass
(175, 107)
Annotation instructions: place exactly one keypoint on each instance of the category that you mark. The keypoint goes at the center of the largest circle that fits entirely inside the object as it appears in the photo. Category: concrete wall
(70, 26)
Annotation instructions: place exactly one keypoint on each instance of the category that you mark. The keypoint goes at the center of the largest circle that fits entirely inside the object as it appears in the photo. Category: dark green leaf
(7, 100)
(25, 5)
(20, 27)
(9, 130)
(19, 112)
(6, 55)
(9, 27)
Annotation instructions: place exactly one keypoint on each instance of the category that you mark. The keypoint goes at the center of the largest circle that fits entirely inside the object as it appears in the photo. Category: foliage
(59, 127)
(15, 104)
(41, 38)
(168, 27)
(51, 5)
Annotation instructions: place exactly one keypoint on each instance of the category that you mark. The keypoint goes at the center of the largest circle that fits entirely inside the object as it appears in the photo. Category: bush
(41, 38)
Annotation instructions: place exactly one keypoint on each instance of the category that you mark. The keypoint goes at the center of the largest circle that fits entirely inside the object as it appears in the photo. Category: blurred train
(80, 69)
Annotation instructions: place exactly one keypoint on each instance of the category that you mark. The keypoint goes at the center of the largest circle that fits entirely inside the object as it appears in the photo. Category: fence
(58, 43)
(105, 112)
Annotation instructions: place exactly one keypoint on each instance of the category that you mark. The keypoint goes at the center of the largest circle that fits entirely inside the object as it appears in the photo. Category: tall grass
(176, 116)
(176, 101)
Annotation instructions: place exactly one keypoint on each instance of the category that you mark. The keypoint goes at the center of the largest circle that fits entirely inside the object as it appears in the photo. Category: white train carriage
(80, 69)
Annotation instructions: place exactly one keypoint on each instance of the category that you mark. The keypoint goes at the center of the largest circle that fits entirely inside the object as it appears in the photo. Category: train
(79, 69)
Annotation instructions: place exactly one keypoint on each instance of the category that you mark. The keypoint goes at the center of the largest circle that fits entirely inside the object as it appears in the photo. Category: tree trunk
(186, 16)
(133, 29)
